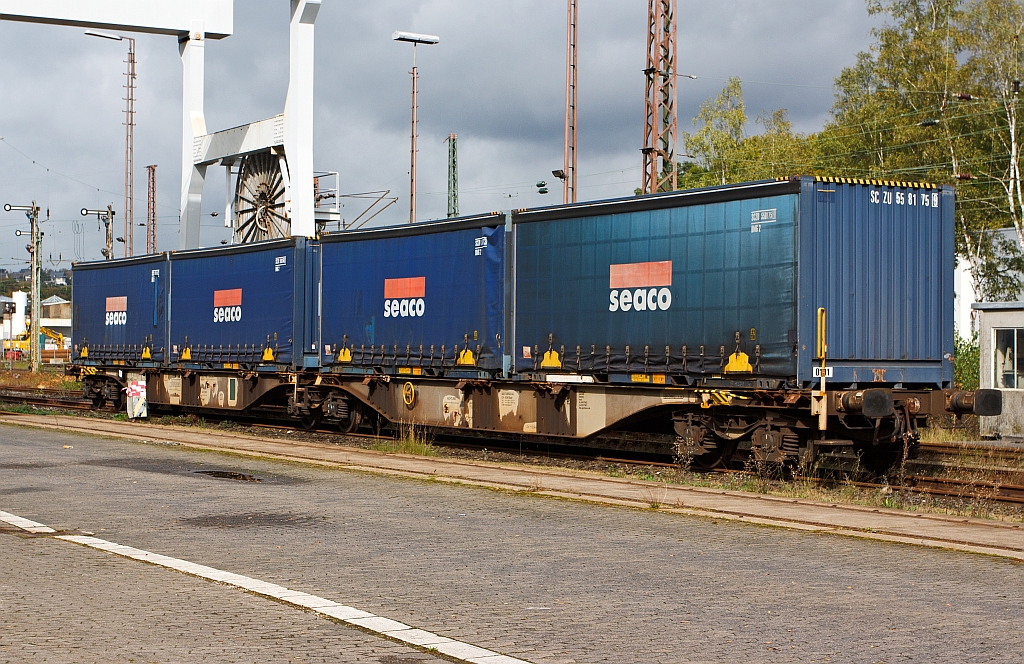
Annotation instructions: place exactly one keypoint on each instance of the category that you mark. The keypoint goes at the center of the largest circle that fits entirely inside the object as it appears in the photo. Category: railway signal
(35, 251)
(107, 217)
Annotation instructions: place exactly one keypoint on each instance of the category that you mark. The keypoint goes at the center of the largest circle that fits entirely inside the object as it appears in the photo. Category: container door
(312, 295)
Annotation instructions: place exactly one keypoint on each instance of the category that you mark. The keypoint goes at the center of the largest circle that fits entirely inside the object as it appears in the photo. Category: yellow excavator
(21, 344)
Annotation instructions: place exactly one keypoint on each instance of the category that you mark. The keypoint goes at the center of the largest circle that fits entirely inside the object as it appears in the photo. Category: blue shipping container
(432, 285)
(119, 307)
(228, 304)
(678, 282)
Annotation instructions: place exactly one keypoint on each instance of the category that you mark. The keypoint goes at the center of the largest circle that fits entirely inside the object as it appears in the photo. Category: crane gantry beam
(192, 22)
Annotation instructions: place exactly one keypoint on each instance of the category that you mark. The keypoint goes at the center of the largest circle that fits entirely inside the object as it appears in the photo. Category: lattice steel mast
(129, 151)
(569, 163)
(660, 126)
(151, 211)
(453, 175)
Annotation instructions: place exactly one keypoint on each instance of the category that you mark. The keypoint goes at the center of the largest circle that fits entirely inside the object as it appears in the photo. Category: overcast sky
(496, 79)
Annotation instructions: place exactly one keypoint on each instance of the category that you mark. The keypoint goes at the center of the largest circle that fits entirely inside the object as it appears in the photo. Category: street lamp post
(35, 251)
(129, 141)
(415, 40)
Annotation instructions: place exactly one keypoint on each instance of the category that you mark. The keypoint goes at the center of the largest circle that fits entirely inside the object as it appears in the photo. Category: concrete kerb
(535, 487)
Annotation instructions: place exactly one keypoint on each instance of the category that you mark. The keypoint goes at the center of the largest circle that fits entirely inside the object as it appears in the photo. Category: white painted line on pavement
(391, 629)
(25, 524)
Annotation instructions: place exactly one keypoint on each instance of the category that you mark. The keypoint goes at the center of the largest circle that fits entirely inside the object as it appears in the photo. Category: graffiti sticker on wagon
(640, 286)
(227, 305)
(404, 297)
(117, 311)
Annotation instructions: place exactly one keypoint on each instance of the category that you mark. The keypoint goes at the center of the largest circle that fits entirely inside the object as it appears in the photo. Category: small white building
(1001, 342)
(56, 315)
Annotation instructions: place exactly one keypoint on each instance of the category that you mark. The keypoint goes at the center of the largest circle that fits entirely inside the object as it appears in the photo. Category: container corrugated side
(397, 290)
(879, 258)
(238, 297)
(691, 262)
(120, 303)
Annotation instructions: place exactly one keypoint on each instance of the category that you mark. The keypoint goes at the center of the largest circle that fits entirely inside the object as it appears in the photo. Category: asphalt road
(541, 579)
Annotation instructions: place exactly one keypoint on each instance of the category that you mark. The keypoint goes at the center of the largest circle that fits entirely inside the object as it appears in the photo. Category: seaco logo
(227, 305)
(404, 297)
(117, 311)
(640, 286)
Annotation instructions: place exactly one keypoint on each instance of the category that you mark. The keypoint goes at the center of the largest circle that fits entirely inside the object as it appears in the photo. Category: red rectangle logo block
(404, 289)
(117, 303)
(640, 275)
(227, 298)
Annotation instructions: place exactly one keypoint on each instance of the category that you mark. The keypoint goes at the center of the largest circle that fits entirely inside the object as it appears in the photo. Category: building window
(1008, 365)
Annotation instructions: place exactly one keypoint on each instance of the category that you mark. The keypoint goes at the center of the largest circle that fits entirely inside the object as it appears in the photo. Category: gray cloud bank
(496, 79)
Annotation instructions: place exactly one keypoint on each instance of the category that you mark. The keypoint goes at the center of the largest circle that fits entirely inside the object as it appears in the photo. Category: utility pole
(129, 140)
(151, 209)
(569, 153)
(35, 251)
(453, 176)
(660, 171)
(412, 151)
(107, 218)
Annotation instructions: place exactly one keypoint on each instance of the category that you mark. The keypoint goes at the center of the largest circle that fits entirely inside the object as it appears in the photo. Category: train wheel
(342, 413)
(720, 457)
(351, 423)
(112, 393)
(311, 421)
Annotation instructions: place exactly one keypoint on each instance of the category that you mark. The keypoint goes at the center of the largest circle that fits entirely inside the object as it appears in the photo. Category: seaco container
(728, 281)
(230, 305)
(120, 309)
(417, 296)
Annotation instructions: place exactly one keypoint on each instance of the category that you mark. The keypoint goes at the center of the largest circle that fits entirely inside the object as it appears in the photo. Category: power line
(66, 176)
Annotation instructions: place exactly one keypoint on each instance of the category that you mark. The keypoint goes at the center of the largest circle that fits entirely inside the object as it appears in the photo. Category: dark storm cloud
(496, 79)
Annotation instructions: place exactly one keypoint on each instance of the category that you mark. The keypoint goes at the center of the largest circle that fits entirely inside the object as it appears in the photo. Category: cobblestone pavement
(64, 603)
(546, 580)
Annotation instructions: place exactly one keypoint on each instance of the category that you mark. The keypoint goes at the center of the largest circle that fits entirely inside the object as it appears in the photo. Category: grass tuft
(411, 439)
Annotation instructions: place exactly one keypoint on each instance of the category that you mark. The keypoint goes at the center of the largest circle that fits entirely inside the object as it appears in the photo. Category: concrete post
(193, 62)
(298, 119)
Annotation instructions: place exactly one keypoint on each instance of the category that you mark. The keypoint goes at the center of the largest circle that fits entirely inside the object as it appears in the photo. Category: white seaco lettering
(117, 318)
(227, 314)
(641, 299)
(403, 308)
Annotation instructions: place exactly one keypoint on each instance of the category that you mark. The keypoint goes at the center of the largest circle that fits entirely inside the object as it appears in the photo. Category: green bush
(966, 362)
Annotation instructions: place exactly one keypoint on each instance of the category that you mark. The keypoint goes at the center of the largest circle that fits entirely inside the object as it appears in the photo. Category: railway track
(931, 485)
(46, 397)
(975, 450)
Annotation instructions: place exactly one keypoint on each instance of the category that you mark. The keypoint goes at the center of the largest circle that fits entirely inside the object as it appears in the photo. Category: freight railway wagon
(786, 319)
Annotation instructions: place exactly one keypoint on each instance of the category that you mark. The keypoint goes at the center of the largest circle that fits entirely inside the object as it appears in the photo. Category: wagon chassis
(702, 425)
